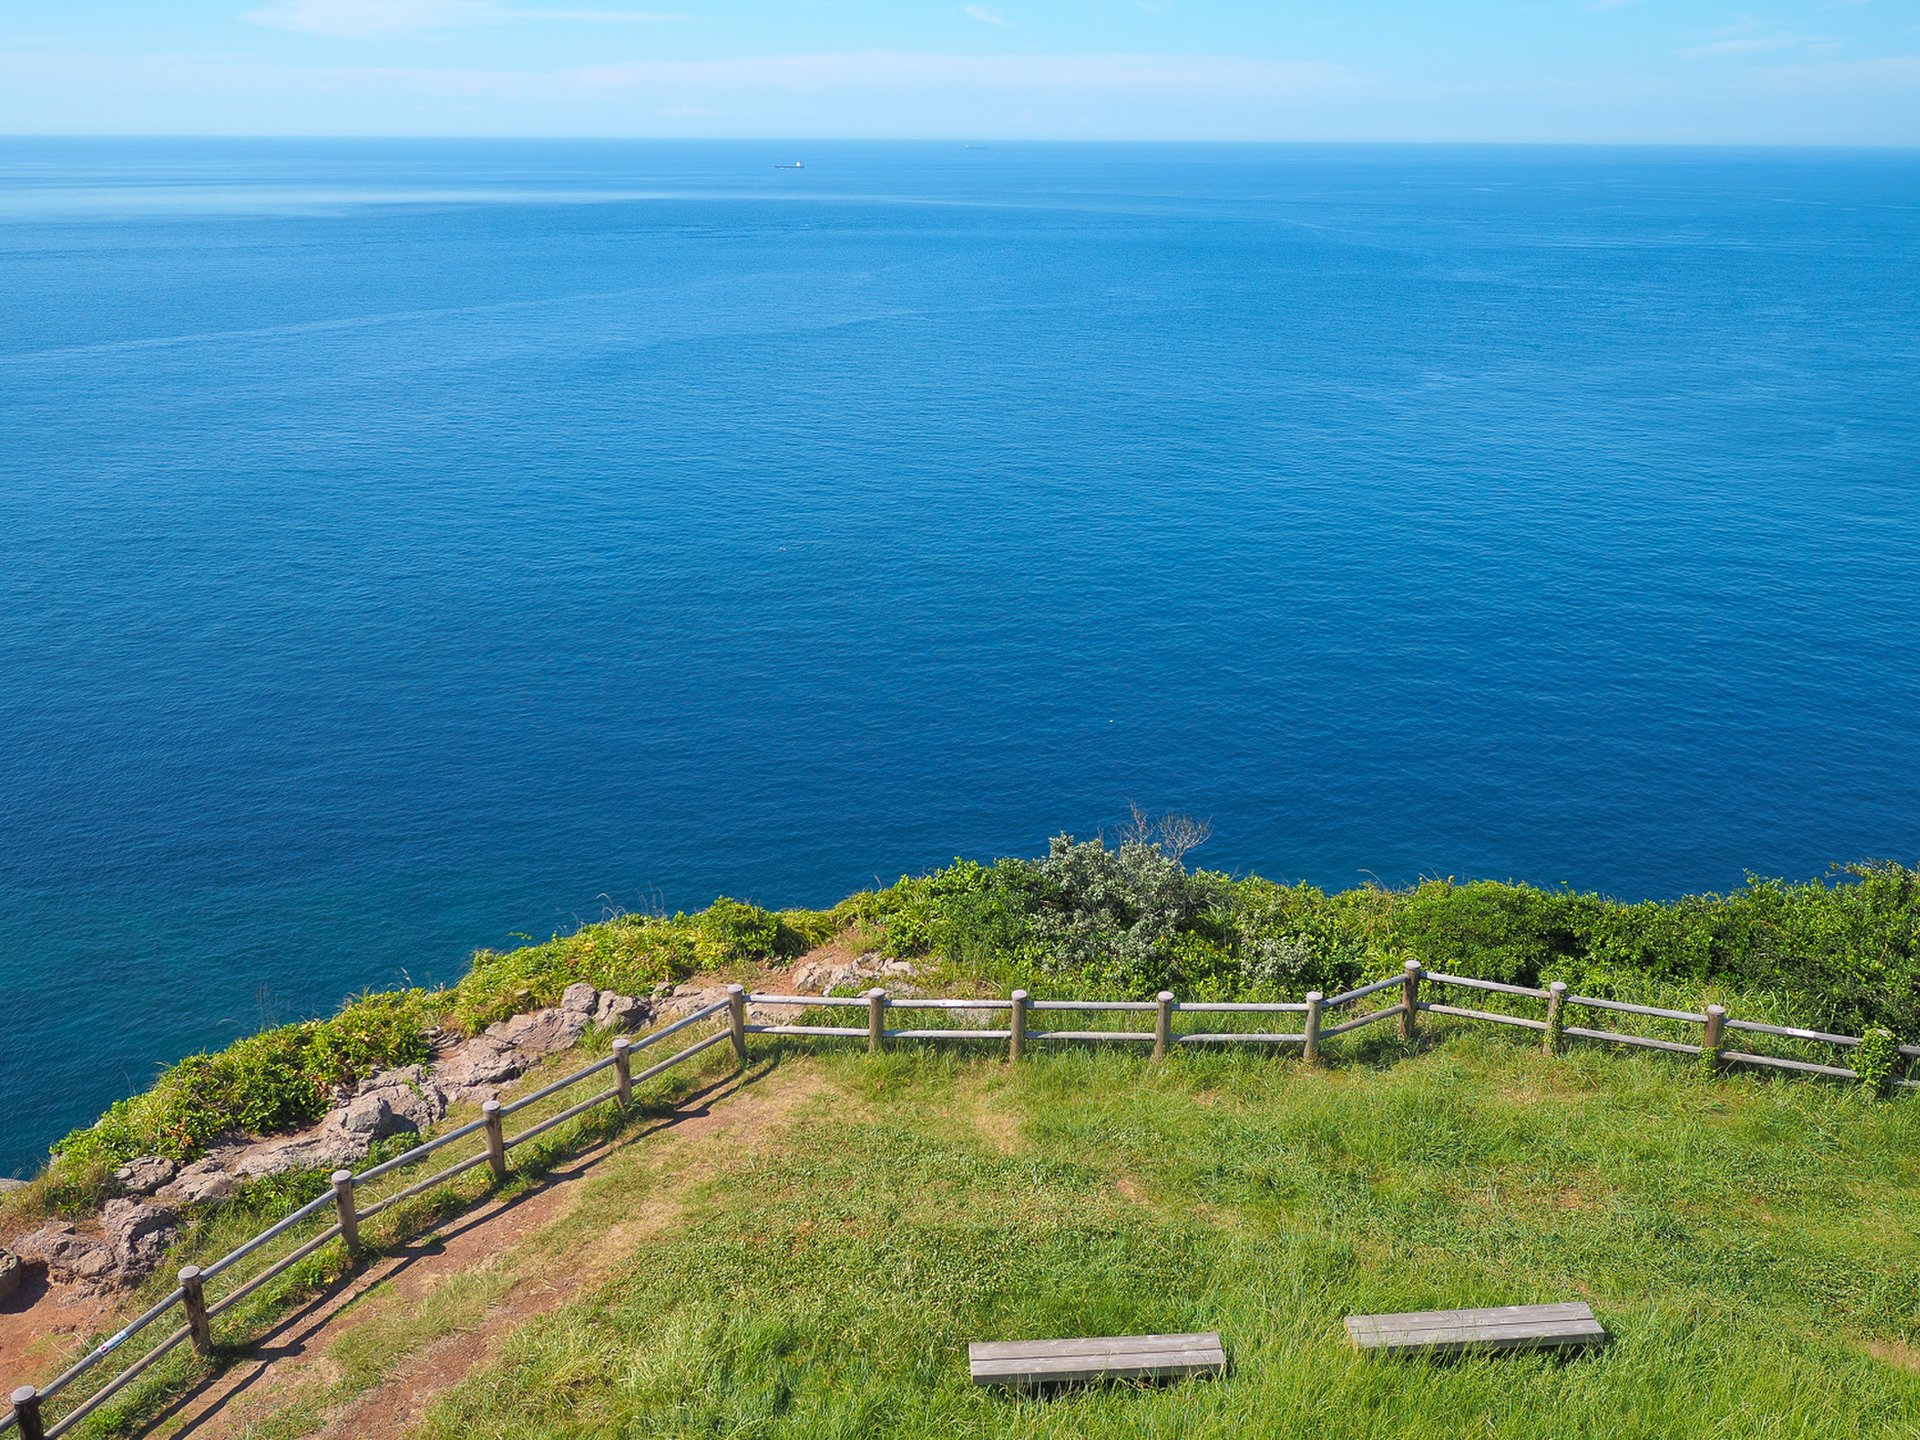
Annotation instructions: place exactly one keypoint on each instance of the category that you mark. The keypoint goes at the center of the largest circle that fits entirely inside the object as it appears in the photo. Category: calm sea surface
(404, 546)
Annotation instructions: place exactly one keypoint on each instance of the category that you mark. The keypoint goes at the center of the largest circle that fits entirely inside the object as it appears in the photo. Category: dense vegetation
(1122, 919)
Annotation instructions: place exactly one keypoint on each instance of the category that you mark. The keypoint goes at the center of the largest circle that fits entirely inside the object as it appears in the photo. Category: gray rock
(371, 1116)
(8, 1185)
(327, 1146)
(138, 1234)
(621, 1012)
(205, 1180)
(579, 998)
(479, 1065)
(146, 1174)
(70, 1258)
(133, 1239)
(393, 1102)
(688, 998)
(12, 1271)
(825, 977)
(541, 1032)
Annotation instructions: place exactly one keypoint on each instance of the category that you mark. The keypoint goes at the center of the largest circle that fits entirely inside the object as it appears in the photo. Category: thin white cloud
(597, 17)
(879, 71)
(364, 19)
(1899, 73)
(1759, 45)
(988, 17)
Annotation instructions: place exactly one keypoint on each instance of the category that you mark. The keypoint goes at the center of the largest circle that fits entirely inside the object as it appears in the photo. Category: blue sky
(1680, 71)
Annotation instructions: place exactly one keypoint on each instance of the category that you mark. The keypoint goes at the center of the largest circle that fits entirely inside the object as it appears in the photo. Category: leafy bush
(731, 932)
(1877, 1059)
(1511, 933)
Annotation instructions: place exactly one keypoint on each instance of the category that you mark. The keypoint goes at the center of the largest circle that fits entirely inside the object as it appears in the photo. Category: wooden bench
(1567, 1326)
(1030, 1363)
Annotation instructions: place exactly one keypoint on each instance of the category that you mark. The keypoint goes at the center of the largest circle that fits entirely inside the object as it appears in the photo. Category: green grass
(1749, 1242)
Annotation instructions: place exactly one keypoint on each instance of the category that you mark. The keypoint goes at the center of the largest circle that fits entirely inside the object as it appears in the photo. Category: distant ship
(796, 165)
(973, 147)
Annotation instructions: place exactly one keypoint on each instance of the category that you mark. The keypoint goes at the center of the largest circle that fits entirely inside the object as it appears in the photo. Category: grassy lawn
(1752, 1244)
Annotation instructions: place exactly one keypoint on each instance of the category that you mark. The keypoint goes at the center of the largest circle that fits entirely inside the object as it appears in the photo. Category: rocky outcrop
(394, 1102)
(131, 1239)
(825, 976)
(620, 1012)
(69, 1257)
(138, 1235)
(390, 1102)
(145, 1174)
(474, 1069)
(12, 1272)
(133, 1232)
(205, 1180)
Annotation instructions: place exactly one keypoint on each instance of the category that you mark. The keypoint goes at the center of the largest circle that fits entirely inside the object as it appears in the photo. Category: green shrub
(1490, 931)
(1876, 1060)
(377, 1031)
(731, 932)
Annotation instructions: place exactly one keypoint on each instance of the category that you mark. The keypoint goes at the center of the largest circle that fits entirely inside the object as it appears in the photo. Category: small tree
(1172, 835)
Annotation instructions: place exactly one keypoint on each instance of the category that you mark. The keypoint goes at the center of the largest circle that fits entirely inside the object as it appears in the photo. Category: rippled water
(407, 545)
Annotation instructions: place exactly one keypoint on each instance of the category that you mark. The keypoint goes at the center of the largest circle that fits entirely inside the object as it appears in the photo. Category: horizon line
(963, 140)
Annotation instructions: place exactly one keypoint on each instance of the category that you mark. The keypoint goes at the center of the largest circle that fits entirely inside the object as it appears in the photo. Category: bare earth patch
(38, 1331)
(1895, 1352)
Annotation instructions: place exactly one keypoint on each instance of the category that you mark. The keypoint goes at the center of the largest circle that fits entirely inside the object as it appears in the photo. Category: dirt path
(39, 1331)
(301, 1381)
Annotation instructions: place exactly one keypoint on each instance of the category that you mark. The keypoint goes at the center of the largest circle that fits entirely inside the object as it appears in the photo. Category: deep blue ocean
(407, 546)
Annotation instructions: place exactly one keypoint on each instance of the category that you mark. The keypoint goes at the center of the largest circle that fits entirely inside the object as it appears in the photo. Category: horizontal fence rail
(346, 1213)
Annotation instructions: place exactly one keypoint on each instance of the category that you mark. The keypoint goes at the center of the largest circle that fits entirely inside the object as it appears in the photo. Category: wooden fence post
(26, 1413)
(496, 1139)
(623, 1072)
(1310, 1052)
(1017, 1027)
(1162, 1023)
(1710, 1035)
(193, 1299)
(876, 1019)
(1410, 1002)
(1556, 994)
(737, 1021)
(343, 1206)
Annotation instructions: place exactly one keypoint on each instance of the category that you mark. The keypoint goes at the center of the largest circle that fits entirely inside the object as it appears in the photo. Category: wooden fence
(196, 1312)
(193, 1322)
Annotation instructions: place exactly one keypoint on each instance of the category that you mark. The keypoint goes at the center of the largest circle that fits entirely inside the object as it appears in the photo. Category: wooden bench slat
(1095, 1344)
(1455, 1342)
(1468, 1323)
(1491, 1332)
(1506, 1327)
(1101, 1364)
(1560, 1310)
(1106, 1357)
